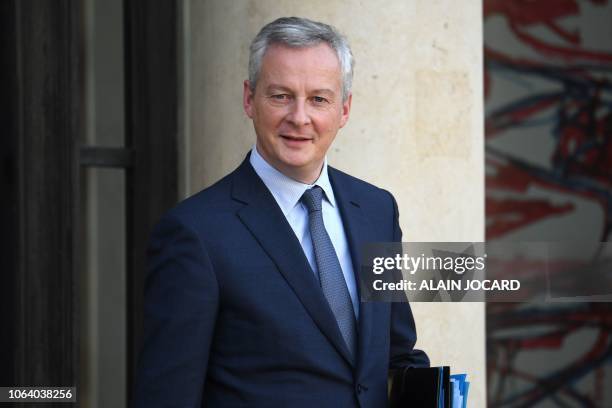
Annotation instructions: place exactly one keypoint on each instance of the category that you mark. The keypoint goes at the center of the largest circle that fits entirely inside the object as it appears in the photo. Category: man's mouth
(293, 138)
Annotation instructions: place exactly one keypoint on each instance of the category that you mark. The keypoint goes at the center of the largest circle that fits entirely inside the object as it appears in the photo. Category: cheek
(328, 127)
(271, 119)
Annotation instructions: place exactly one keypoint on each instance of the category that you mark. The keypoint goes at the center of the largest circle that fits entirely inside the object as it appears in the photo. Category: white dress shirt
(287, 193)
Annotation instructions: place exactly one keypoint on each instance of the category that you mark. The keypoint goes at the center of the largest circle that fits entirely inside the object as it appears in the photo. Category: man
(252, 296)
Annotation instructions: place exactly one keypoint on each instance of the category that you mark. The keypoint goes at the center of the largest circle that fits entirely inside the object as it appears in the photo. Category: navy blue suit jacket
(234, 315)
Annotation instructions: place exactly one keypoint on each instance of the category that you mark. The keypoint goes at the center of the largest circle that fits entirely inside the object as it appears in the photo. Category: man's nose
(298, 114)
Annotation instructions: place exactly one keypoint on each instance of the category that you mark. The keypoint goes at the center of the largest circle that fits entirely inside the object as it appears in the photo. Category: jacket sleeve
(403, 330)
(180, 309)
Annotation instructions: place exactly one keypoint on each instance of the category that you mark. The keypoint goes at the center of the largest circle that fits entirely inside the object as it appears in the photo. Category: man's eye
(319, 99)
(280, 97)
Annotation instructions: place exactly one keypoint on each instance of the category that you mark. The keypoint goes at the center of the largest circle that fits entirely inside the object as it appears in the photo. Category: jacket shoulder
(210, 202)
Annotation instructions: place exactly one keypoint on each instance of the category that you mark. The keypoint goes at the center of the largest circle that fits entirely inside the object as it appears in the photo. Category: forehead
(299, 66)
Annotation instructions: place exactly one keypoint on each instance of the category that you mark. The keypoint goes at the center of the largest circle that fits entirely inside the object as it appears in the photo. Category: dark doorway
(46, 156)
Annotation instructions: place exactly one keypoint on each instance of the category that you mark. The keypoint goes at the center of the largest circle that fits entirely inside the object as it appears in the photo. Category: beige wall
(416, 125)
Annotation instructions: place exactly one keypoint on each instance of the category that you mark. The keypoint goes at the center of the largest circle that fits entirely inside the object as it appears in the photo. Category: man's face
(297, 108)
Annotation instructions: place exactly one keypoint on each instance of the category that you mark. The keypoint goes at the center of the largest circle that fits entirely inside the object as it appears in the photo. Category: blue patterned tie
(330, 273)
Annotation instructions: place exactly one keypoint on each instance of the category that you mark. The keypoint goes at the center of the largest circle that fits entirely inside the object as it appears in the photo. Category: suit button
(361, 388)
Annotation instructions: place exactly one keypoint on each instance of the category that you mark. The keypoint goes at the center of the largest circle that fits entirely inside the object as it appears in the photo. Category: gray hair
(298, 33)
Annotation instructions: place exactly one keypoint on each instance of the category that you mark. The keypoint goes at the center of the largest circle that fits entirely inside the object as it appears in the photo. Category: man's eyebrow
(281, 88)
(276, 88)
(323, 91)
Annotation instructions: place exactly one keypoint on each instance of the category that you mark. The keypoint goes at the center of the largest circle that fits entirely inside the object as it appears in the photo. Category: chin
(295, 164)
(296, 159)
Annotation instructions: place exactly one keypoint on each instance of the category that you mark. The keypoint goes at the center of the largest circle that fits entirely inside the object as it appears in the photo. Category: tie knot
(312, 199)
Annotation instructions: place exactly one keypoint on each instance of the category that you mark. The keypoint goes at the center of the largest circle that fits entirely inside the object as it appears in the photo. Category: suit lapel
(359, 231)
(264, 219)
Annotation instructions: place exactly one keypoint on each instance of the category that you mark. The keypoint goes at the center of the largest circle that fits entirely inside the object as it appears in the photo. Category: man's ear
(346, 110)
(247, 99)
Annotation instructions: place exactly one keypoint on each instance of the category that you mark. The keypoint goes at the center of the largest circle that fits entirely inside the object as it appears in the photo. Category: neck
(304, 177)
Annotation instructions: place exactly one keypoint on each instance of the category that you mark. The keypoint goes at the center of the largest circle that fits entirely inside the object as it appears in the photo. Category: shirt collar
(286, 190)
